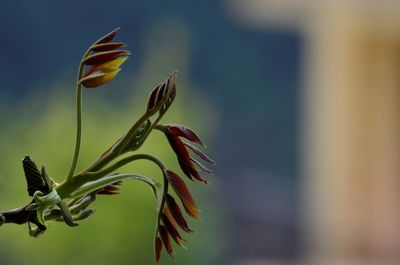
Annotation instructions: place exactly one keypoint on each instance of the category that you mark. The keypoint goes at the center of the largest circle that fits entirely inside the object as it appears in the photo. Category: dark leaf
(183, 193)
(108, 37)
(151, 102)
(190, 171)
(165, 238)
(176, 213)
(84, 215)
(108, 46)
(200, 153)
(172, 231)
(201, 166)
(186, 132)
(158, 248)
(103, 57)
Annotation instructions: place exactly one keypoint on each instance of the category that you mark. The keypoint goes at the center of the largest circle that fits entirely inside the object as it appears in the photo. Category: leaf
(186, 132)
(189, 170)
(107, 66)
(108, 37)
(172, 231)
(103, 57)
(162, 96)
(97, 79)
(108, 46)
(176, 213)
(66, 214)
(201, 166)
(158, 248)
(84, 215)
(111, 189)
(183, 193)
(200, 153)
(165, 239)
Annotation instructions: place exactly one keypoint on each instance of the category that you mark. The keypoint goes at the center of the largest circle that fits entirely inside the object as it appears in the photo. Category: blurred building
(350, 119)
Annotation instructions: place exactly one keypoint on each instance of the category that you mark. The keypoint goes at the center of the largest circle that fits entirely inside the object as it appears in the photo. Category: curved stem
(98, 184)
(115, 150)
(161, 207)
(79, 107)
(78, 118)
(90, 176)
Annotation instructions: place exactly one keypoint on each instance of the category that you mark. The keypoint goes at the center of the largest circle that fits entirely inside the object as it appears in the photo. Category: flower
(105, 64)
(171, 214)
(174, 132)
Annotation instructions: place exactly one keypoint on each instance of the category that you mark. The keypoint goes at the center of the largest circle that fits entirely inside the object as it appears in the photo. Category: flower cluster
(68, 201)
(171, 215)
(105, 64)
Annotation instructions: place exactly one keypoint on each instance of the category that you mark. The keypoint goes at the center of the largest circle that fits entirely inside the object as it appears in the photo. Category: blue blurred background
(280, 92)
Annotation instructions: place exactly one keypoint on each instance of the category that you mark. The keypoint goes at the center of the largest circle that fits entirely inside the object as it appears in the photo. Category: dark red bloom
(173, 133)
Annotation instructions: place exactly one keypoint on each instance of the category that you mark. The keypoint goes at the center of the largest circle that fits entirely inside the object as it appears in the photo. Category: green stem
(78, 118)
(115, 150)
(98, 184)
(91, 176)
(67, 188)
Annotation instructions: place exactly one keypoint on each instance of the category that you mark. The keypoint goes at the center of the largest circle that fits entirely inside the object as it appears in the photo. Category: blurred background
(298, 101)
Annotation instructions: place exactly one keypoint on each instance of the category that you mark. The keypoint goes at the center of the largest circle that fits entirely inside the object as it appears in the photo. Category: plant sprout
(69, 200)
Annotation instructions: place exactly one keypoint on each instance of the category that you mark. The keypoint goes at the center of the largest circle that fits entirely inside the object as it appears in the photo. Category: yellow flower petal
(98, 78)
(112, 65)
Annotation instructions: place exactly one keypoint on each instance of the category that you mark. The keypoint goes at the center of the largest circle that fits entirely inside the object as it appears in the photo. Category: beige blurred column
(350, 136)
(350, 140)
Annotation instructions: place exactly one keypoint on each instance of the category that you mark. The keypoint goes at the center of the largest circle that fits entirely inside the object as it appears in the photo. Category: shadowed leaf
(158, 248)
(200, 153)
(183, 193)
(108, 46)
(108, 37)
(186, 132)
(165, 239)
(172, 231)
(201, 166)
(176, 213)
(103, 57)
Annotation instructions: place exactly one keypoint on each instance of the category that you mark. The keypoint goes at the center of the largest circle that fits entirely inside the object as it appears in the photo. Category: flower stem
(78, 118)
(92, 176)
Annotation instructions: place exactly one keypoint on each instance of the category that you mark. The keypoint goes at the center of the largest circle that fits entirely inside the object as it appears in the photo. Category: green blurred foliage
(122, 229)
